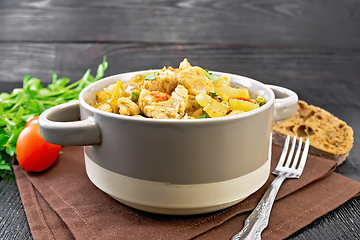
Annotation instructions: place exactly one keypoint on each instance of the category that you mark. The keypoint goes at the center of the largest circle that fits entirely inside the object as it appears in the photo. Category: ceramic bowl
(172, 166)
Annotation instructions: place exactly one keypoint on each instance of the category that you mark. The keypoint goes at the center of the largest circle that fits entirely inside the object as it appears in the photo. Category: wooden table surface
(311, 47)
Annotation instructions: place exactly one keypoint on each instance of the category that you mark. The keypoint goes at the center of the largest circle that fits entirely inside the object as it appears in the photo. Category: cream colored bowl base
(175, 199)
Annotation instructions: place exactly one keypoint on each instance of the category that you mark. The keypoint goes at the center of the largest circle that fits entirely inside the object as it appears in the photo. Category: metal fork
(259, 218)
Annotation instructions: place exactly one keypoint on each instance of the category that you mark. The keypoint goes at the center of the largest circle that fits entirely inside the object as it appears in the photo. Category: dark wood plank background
(298, 23)
(311, 47)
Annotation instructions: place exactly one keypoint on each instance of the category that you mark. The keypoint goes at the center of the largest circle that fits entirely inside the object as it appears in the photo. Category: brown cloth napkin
(62, 203)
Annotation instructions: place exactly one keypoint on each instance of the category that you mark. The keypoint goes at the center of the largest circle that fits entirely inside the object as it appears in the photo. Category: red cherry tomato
(32, 121)
(33, 152)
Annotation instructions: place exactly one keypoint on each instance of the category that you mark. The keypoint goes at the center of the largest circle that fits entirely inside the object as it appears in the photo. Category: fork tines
(287, 160)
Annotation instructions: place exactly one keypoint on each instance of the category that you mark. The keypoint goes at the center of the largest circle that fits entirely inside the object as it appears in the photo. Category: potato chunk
(212, 107)
(223, 88)
(242, 105)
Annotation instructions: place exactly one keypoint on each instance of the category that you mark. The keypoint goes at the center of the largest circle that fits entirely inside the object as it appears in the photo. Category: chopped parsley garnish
(150, 76)
(211, 76)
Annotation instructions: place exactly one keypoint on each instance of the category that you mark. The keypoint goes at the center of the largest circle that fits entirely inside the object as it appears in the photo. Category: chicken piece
(102, 97)
(127, 107)
(165, 81)
(184, 65)
(104, 107)
(194, 79)
(152, 104)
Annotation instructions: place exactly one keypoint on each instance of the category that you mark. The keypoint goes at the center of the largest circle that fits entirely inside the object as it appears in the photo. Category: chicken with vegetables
(176, 93)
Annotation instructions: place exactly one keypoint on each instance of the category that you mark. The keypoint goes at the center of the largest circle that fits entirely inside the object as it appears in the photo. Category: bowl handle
(286, 102)
(59, 125)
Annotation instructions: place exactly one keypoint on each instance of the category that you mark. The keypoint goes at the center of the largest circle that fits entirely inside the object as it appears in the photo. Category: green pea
(260, 101)
(134, 95)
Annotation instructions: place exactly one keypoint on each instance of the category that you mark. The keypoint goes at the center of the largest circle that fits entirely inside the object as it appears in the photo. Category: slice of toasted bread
(330, 137)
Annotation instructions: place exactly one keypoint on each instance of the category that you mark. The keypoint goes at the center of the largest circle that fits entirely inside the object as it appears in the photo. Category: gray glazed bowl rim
(95, 85)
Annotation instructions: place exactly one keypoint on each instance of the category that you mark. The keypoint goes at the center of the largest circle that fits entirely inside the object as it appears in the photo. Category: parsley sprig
(150, 76)
(22, 104)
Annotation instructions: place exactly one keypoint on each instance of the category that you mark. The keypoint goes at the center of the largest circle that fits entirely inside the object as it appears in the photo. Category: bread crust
(330, 137)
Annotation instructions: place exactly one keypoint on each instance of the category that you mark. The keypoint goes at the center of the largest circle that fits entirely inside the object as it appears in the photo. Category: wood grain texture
(13, 220)
(299, 23)
(342, 223)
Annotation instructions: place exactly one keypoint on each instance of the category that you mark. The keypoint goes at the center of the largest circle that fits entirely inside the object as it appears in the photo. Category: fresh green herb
(202, 116)
(213, 93)
(31, 100)
(4, 165)
(211, 76)
(151, 76)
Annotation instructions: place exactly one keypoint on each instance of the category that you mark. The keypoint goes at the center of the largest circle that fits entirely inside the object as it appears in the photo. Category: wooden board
(311, 47)
(280, 23)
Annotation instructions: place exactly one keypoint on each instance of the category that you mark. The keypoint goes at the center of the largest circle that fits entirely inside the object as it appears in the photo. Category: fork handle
(258, 220)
